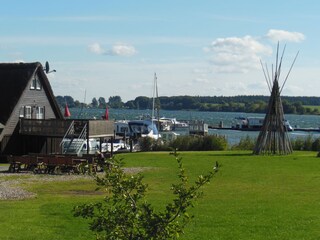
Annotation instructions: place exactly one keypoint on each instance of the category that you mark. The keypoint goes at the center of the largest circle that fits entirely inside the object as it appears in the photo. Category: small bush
(124, 212)
(246, 143)
(306, 144)
(200, 143)
(316, 145)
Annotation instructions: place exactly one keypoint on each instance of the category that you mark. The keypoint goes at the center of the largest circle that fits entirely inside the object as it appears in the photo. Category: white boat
(173, 123)
(121, 127)
(137, 128)
(117, 144)
(143, 128)
(254, 124)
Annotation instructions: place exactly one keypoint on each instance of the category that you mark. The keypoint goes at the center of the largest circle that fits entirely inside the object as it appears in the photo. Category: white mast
(154, 95)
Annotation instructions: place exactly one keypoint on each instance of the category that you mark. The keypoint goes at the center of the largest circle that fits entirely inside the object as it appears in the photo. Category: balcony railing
(58, 128)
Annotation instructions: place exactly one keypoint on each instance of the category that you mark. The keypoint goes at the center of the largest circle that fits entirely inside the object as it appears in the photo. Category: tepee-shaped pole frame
(273, 137)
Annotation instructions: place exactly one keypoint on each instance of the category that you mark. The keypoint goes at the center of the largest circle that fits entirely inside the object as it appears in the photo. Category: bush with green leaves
(125, 213)
(246, 143)
(185, 143)
(200, 143)
(149, 144)
(306, 144)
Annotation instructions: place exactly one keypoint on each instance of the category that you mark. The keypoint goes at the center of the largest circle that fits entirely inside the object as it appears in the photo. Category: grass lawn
(252, 197)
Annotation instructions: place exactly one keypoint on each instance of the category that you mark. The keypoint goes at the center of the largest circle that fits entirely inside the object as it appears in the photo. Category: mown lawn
(252, 197)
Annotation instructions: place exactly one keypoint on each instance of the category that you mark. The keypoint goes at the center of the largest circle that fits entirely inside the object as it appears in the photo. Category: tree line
(250, 104)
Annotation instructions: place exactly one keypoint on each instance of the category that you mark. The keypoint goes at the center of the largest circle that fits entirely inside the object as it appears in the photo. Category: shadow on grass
(236, 154)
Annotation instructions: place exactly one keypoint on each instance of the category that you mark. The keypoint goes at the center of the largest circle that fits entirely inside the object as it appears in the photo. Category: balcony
(58, 128)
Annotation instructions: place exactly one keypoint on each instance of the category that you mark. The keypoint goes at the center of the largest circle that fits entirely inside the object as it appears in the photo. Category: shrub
(145, 144)
(125, 214)
(306, 144)
(246, 143)
(316, 145)
(200, 143)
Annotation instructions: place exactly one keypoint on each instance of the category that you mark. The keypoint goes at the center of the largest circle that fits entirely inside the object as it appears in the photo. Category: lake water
(211, 118)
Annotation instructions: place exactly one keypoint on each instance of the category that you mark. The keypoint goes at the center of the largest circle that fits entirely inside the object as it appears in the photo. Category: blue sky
(206, 48)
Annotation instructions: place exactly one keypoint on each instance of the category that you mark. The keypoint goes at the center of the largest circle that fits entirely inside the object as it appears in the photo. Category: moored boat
(254, 124)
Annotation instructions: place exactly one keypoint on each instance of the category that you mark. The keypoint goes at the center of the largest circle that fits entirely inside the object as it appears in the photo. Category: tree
(94, 102)
(125, 214)
(77, 104)
(102, 102)
(143, 102)
(69, 100)
(60, 101)
(115, 102)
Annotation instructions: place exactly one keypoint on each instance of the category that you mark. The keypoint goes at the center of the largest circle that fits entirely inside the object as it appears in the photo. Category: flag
(106, 115)
(66, 111)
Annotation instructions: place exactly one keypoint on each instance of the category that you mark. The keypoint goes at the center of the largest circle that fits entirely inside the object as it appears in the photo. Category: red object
(66, 111)
(106, 115)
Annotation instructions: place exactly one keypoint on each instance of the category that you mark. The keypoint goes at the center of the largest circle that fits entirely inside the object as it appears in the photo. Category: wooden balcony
(58, 128)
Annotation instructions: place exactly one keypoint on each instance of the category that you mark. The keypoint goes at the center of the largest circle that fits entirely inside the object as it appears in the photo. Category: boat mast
(153, 96)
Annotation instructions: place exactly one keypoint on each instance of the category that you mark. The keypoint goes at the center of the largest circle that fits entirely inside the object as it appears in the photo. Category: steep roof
(14, 78)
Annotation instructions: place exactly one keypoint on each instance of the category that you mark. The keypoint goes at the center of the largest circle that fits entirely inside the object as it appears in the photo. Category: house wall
(30, 97)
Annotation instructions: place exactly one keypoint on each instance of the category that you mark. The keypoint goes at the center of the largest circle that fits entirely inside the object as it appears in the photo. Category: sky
(103, 48)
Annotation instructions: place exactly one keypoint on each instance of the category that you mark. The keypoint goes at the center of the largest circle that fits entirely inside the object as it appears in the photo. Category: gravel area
(10, 189)
(9, 192)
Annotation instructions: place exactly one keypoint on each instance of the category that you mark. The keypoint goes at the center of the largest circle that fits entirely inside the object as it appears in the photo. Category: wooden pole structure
(273, 137)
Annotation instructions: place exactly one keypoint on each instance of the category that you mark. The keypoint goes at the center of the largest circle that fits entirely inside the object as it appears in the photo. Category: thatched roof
(14, 78)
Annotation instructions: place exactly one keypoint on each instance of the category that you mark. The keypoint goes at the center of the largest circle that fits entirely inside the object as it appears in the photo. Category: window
(21, 112)
(35, 83)
(38, 84)
(39, 112)
(28, 112)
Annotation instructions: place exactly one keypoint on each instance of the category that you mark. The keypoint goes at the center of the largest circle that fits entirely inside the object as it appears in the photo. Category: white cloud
(236, 54)
(96, 48)
(123, 50)
(116, 50)
(281, 35)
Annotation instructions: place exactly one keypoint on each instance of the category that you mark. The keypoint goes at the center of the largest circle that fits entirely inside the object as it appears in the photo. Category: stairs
(74, 139)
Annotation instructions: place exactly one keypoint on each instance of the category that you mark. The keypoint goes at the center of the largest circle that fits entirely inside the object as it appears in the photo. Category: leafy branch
(125, 214)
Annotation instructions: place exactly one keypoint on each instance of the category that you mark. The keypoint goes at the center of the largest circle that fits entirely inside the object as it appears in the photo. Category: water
(211, 118)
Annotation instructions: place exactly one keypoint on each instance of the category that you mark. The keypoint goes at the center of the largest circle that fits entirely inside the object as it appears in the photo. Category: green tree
(115, 102)
(60, 100)
(94, 102)
(299, 107)
(69, 100)
(102, 102)
(125, 214)
(77, 104)
(143, 102)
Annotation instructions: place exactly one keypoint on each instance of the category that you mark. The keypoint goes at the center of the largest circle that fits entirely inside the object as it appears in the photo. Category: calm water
(211, 118)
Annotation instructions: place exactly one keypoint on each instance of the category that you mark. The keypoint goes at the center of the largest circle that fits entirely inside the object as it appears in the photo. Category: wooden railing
(44, 127)
(58, 128)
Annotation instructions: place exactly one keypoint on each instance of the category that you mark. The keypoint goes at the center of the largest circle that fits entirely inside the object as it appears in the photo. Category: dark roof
(14, 78)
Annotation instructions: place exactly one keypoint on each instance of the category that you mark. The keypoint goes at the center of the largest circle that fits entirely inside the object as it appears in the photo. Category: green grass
(252, 197)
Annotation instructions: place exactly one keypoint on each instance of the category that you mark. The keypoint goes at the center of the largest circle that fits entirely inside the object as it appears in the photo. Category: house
(31, 121)
(25, 93)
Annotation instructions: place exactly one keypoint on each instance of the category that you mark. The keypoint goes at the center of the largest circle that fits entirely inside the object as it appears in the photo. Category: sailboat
(145, 127)
(164, 125)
